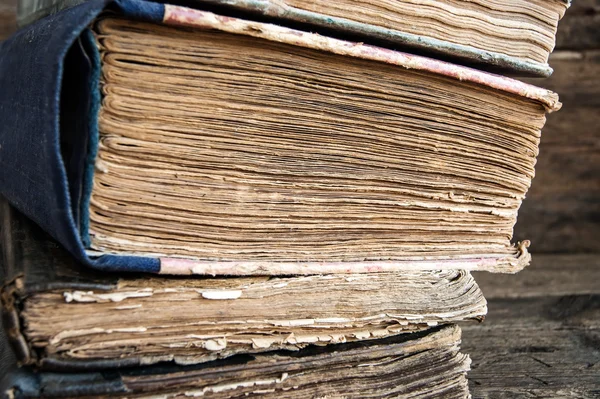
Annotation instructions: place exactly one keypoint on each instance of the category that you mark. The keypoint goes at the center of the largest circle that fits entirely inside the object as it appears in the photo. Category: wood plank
(548, 275)
(562, 209)
(574, 78)
(541, 338)
(536, 347)
(8, 18)
(579, 28)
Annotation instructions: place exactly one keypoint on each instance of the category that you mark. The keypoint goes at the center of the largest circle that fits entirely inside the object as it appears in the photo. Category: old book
(206, 144)
(59, 314)
(426, 364)
(515, 36)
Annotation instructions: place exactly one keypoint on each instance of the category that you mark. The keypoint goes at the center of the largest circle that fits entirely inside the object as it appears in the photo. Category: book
(426, 364)
(195, 143)
(60, 315)
(514, 37)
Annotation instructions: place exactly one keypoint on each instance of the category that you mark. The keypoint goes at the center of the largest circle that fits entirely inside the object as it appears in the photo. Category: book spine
(12, 274)
(12, 325)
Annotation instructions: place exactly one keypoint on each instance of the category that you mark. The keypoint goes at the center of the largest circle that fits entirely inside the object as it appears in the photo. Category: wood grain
(8, 18)
(579, 28)
(548, 275)
(562, 210)
(541, 337)
(544, 346)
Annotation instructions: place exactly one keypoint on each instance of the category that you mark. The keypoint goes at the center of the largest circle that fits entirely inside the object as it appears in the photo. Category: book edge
(465, 53)
(188, 17)
(184, 266)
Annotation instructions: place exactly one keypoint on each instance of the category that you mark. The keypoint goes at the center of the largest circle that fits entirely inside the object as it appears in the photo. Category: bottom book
(423, 364)
(60, 316)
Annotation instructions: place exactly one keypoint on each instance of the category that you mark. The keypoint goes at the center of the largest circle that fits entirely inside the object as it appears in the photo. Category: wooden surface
(562, 209)
(8, 9)
(541, 338)
(579, 29)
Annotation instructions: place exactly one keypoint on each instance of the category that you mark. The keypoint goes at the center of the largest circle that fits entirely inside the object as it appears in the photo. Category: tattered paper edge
(187, 17)
(463, 53)
(497, 264)
(283, 12)
(504, 263)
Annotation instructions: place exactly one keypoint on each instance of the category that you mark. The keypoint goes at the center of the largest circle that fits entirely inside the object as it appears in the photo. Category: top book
(175, 140)
(514, 37)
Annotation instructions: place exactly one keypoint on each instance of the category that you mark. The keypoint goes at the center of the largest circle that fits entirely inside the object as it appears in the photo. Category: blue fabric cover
(49, 101)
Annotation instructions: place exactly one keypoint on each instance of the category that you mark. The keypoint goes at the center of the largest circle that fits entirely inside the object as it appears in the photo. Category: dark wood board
(548, 275)
(579, 28)
(8, 18)
(541, 338)
(562, 210)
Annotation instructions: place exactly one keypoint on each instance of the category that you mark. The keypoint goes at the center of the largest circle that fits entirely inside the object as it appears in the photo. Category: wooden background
(562, 209)
(541, 338)
(8, 9)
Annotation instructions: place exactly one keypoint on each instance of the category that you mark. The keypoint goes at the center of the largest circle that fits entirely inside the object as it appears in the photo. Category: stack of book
(262, 198)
